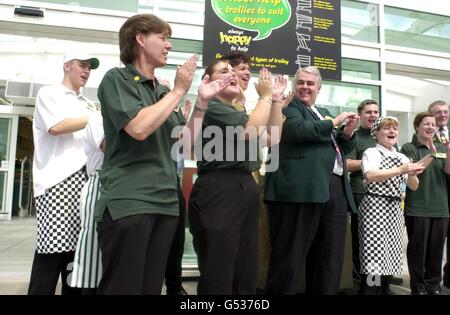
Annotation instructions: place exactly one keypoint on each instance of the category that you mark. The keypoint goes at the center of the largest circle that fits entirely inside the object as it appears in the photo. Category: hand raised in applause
(350, 126)
(185, 74)
(208, 89)
(412, 169)
(264, 85)
(278, 87)
(186, 109)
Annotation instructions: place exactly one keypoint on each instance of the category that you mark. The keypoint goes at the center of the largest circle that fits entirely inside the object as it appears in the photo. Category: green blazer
(306, 158)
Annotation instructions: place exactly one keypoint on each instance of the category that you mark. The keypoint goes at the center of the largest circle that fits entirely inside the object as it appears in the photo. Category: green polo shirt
(363, 141)
(221, 146)
(137, 177)
(430, 199)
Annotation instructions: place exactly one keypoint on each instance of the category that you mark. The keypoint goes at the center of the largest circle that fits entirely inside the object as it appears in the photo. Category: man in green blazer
(309, 194)
(440, 110)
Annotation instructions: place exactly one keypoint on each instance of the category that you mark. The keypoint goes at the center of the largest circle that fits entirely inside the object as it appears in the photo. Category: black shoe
(434, 290)
(396, 281)
(446, 283)
(419, 292)
(179, 291)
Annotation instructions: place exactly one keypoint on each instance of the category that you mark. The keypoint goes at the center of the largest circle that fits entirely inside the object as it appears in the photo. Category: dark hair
(139, 23)
(235, 58)
(419, 117)
(210, 69)
(364, 104)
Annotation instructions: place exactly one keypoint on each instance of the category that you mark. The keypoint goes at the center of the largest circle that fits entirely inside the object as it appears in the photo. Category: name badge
(440, 155)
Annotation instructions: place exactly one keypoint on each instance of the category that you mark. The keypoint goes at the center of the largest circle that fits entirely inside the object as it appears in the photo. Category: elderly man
(308, 196)
(440, 110)
(59, 173)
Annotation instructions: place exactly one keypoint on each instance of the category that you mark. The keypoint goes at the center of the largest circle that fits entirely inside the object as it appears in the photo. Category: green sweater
(221, 146)
(137, 177)
(430, 199)
(363, 141)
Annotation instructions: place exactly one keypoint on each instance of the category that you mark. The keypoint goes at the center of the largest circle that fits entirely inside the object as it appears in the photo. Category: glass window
(360, 69)
(417, 29)
(128, 5)
(359, 21)
(339, 97)
(5, 137)
(183, 11)
(5, 129)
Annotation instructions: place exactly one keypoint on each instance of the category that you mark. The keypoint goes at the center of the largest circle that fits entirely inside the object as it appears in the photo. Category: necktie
(442, 136)
(336, 147)
(338, 152)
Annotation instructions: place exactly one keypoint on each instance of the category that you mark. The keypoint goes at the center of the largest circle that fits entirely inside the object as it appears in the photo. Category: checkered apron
(58, 215)
(381, 224)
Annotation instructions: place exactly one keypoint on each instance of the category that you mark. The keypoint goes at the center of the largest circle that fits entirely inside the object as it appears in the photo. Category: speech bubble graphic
(262, 16)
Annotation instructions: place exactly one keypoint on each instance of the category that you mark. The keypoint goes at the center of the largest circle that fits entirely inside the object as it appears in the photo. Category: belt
(390, 198)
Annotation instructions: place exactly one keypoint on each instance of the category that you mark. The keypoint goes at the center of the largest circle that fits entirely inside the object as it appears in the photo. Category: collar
(136, 75)
(416, 143)
(445, 129)
(66, 90)
(365, 131)
(160, 90)
(386, 150)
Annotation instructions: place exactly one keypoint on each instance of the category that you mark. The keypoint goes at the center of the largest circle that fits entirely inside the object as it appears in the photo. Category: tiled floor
(17, 244)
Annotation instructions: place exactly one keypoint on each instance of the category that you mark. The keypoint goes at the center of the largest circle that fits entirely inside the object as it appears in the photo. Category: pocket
(199, 193)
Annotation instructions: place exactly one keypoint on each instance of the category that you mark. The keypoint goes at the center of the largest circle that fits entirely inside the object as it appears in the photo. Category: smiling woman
(426, 209)
(223, 209)
(138, 210)
(380, 218)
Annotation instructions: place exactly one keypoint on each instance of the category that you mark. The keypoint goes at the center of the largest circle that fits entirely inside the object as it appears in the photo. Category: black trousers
(355, 238)
(223, 215)
(426, 238)
(311, 234)
(46, 271)
(446, 276)
(134, 252)
(174, 270)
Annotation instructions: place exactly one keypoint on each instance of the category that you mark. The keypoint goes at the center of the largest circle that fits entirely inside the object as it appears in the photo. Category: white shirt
(337, 169)
(371, 159)
(93, 137)
(57, 157)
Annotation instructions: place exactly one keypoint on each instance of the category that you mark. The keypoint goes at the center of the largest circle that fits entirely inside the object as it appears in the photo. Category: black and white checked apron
(58, 215)
(381, 224)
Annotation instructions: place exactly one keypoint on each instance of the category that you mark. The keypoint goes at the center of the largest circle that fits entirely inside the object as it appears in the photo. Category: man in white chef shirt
(61, 114)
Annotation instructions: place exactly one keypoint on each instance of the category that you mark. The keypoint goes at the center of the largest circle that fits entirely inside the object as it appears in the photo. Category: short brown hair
(139, 23)
(419, 117)
(235, 58)
(210, 69)
(364, 104)
(388, 121)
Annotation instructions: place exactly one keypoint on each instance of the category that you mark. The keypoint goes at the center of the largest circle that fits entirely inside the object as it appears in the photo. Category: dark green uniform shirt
(363, 141)
(137, 177)
(226, 151)
(430, 199)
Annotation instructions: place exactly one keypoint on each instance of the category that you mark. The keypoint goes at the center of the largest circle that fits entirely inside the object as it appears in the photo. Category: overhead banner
(281, 35)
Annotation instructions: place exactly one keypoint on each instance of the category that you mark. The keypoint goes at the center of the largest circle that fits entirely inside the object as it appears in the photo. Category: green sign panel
(253, 15)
